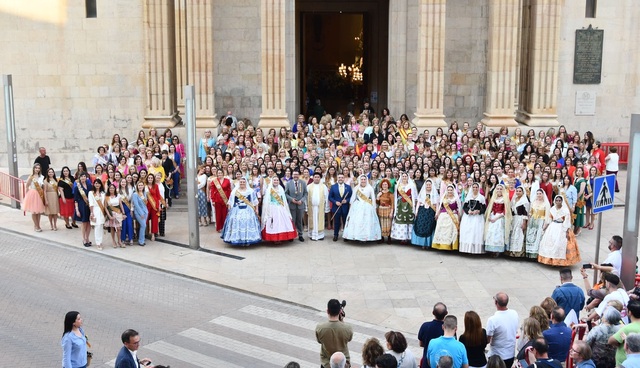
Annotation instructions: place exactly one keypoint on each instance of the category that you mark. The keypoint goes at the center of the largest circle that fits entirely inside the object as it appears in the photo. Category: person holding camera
(335, 334)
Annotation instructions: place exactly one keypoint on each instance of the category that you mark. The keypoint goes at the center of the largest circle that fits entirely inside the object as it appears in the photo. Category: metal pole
(192, 154)
(632, 207)
(597, 261)
(12, 151)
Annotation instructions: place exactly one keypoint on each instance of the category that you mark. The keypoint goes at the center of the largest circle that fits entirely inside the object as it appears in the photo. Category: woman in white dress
(472, 223)
(558, 246)
(447, 221)
(539, 211)
(520, 212)
(277, 225)
(497, 222)
(96, 205)
(362, 222)
(406, 196)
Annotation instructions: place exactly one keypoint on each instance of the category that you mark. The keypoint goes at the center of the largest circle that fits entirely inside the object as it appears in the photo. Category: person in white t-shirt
(614, 258)
(613, 293)
(502, 328)
(611, 164)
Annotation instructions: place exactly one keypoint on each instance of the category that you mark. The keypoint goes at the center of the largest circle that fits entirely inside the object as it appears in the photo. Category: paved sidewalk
(393, 286)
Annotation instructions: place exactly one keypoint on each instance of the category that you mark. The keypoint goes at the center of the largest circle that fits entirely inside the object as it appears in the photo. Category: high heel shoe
(74, 225)
(68, 227)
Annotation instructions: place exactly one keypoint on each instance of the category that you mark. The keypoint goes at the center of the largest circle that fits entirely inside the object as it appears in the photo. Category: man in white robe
(317, 206)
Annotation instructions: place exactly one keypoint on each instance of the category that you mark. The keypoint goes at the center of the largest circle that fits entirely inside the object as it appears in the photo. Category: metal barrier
(12, 187)
(623, 150)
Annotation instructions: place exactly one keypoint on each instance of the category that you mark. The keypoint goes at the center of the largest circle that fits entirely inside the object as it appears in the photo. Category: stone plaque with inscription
(585, 103)
(587, 63)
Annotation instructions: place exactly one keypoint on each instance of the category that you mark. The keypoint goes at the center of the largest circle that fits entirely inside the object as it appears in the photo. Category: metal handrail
(12, 187)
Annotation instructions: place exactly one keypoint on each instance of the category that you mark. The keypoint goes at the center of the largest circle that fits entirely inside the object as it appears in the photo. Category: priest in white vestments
(317, 206)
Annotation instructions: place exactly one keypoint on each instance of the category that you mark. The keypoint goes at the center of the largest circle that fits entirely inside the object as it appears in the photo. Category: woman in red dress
(220, 189)
(546, 186)
(153, 205)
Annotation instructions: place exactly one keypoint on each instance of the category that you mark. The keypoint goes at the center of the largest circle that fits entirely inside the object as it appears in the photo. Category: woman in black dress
(474, 339)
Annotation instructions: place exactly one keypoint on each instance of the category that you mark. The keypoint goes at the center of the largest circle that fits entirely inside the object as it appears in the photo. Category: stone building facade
(77, 80)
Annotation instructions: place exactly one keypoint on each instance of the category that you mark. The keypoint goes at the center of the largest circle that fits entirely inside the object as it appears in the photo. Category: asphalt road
(182, 322)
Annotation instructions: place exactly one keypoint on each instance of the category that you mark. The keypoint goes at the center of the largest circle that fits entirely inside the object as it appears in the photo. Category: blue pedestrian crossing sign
(603, 190)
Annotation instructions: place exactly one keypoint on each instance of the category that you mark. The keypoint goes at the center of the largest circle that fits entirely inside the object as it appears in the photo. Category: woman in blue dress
(425, 224)
(126, 192)
(140, 210)
(242, 226)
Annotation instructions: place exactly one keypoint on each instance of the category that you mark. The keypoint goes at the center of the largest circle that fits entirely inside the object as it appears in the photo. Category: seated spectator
(558, 336)
(548, 304)
(581, 355)
(540, 355)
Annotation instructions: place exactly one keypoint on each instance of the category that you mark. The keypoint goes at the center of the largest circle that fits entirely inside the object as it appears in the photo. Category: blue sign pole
(602, 200)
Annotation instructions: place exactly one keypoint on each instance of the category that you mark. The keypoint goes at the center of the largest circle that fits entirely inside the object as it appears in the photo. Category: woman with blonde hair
(34, 200)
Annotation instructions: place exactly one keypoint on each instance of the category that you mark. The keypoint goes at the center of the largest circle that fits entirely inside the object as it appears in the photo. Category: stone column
(272, 19)
(199, 49)
(544, 50)
(397, 95)
(431, 43)
(161, 100)
(502, 71)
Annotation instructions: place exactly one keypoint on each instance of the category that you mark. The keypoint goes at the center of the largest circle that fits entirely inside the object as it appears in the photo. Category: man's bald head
(440, 311)
(502, 299)
(338, 360)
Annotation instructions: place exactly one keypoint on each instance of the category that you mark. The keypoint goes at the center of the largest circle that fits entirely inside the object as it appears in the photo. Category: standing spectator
(568, 295)
(474, 339)
(45, 161)
(333, 335)
(541, 357)
(611, 164)
(397, 345)
(296, 195)
(581, 355)
(432, 330)
(598, 153)
(74, 342)
(448, 345)
(634, 327)
(558, 336)
(632, 348)
(371, 350)
(495, 361)
(128, 355)
(614, 258)
(502, 328)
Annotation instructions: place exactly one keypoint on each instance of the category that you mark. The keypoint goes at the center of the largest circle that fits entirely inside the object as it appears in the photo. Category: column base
(429, 121)
(490, 120)
(206, 121)
(273, 121)
(537, 120)
(161, 121)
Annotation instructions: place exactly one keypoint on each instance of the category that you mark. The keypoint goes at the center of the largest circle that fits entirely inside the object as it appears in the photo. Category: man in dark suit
(128, 355)
(339, 196)
(296, 192)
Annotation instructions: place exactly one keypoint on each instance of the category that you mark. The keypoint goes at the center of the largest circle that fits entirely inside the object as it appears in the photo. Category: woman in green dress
(580, 212)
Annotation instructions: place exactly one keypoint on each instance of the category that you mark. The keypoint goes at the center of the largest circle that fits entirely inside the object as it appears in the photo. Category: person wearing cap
(614, 292)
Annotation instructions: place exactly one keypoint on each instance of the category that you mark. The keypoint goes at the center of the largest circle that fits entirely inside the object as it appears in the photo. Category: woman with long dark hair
(474, 339)
(74, 342)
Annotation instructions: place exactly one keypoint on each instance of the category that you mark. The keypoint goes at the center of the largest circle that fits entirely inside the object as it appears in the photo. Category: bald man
(502, 328)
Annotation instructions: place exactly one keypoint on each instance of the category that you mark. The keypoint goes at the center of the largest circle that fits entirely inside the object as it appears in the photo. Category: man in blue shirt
(432, 330)
(558, 336)
(569, 296)
(448, 345)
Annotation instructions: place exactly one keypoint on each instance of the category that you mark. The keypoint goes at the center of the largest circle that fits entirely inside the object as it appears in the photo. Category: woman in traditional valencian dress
(538, 213)
(558, 246)
(220, 189)
(96, 206)
(34, 199)
(405, 201)
(520, 211)
(51, 193)
(445, 236)
(362, 222)
(425, 225)
(580, 212)
(277, 225)
(140, 211)
(497, 222)
(472, 223)
(242, 226)
(201, 195)
(386, 204)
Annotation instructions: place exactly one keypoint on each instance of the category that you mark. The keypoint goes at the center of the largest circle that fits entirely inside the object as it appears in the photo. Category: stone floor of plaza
(393, 286)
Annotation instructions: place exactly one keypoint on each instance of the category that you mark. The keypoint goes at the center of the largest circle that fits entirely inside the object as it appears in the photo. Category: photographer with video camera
(335, 334)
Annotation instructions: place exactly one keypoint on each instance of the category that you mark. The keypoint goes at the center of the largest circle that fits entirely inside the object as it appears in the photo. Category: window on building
(91, 8)
(591, 8)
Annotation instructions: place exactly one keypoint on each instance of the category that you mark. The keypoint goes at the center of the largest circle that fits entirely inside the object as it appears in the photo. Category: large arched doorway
(342, 53)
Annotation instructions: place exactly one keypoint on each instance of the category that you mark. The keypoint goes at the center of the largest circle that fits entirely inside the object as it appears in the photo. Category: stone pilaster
(199, 60)
(161, 99)
(502, 72)
(431, 50)
(397, 57)
(272, 19)
(541, 105)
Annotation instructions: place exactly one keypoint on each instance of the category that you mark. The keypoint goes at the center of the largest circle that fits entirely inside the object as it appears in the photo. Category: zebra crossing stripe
(188, 356)
(242, 348)
(275, 335)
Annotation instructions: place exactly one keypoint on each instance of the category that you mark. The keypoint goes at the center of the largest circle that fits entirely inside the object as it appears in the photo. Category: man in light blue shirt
(447, 345)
